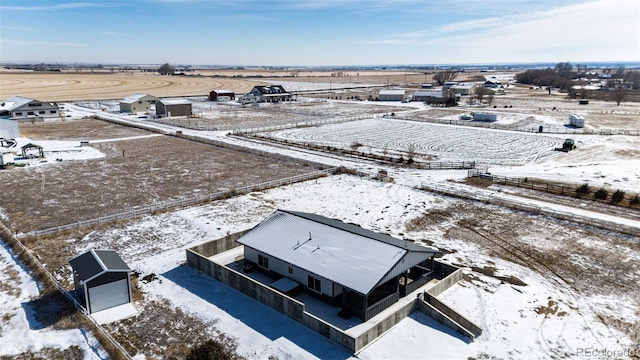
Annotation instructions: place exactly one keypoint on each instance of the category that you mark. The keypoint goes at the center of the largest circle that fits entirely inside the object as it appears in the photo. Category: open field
(538, 286)
(72, 86)
(134, 172)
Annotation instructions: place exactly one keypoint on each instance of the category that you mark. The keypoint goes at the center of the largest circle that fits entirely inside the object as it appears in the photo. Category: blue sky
(319, 32)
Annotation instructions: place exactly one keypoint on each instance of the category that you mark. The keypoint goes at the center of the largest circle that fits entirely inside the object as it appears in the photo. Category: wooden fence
(303, 124)
(628, 200)
(399, 160)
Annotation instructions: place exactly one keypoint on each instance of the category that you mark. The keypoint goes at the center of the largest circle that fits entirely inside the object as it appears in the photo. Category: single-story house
(19, 107)
(464, 89)
(359, 270)
(178, 107)
(270, 93)
(137, 103)
(222, 95)
(101, 279)
(9, 129)
(392, 95)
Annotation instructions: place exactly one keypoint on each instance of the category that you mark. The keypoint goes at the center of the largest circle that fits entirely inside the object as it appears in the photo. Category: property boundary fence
(199, 258)
(355, 154)
(186, 201)
(65, 292)
(532, 129)
(310, 123)
(482, 196)
(552, 188)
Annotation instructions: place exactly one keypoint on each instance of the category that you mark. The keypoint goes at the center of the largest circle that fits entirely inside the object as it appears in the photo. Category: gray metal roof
(137, 97)
(344, 253)
(96, 262)
(17, 102)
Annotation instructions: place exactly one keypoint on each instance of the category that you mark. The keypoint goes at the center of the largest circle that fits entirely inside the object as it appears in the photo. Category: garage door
(108, 295)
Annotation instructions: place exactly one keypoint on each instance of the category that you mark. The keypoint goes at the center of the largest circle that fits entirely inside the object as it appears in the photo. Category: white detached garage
(101, 279)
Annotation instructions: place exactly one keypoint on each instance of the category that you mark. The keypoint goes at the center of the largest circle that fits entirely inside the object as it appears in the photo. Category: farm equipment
(568, 145)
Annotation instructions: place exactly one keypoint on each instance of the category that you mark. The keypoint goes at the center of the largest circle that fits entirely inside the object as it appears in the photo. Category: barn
(19, 107)
(173, 108)
(101, 280)
(137, 103)
(222, 95)
(342, 264)
(391, 95)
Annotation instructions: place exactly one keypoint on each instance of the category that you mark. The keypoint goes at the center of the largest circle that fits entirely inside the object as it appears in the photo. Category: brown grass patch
(152, 170)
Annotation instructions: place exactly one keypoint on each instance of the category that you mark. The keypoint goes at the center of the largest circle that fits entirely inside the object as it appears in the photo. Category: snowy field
(439, 142)
(544, 318)
(539, 288)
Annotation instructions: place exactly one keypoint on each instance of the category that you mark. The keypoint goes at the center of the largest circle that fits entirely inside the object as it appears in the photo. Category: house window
(30, 113)
(41, 112)
(314, 284)
(18, 114)
(52, 111)
(263, 261)
(290, 271)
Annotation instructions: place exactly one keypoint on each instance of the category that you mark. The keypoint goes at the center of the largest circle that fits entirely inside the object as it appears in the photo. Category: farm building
(9, 129)
(484, 117)
(173, 108)
(464, 89)
(272, 93)
(392, 95)
(222, 95)
(426, 95)
(18, 107)
(576, 120)
(342, 264)
(101, 279)
(492, 84)
(137, 103)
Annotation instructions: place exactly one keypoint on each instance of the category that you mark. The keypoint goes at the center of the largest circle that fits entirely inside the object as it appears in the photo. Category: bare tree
(618, 95)
(483, 92)
(166, 69)
(443, 76)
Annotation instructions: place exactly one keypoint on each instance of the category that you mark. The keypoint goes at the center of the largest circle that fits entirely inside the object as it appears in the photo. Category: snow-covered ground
(546, 318)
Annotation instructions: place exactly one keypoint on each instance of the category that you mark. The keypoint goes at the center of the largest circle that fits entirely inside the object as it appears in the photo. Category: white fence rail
(316, 122)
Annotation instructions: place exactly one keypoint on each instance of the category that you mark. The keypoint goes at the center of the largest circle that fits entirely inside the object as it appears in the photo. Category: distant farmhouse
(180, 107)
(391, 95)
(264, 93)
(464, 89)
(101, 279)
(137, 103)
(19, 108)
(222, 95)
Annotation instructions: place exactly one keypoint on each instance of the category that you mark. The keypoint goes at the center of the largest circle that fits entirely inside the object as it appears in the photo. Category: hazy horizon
(314, 33)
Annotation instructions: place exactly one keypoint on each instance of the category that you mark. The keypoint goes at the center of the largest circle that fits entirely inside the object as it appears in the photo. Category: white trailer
(576, 120)
(484, 117)
(6, 159)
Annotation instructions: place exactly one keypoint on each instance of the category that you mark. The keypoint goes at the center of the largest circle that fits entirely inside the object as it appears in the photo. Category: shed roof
(344, 253)
(137, 97)
(93, 263)
(16, 102)
(222, 91)
(169, 102)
